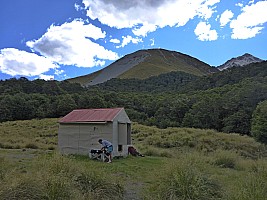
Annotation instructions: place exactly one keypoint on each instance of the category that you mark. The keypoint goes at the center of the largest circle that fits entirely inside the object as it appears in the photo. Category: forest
(230, 101)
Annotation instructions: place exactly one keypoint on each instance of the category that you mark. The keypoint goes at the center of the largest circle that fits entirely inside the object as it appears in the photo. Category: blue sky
(60, 39)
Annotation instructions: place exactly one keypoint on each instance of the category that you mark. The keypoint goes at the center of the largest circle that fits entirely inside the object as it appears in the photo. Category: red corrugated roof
(91, 115)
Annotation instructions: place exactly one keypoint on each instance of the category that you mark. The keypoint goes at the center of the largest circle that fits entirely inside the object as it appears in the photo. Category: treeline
(224, 101)
(14, 86)
(184, 82)
(173, 81)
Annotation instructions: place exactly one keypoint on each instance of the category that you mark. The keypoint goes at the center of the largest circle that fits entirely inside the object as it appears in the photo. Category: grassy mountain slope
(147, 63)
(163, 61)
(83, 80)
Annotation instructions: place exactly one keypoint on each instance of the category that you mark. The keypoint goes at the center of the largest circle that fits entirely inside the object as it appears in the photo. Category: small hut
(80, 130)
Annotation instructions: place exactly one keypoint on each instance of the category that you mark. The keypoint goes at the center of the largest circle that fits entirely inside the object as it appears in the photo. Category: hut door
(122, 137)
(129, 139)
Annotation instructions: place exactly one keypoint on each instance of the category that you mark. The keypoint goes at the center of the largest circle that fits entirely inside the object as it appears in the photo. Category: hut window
(119, 147)
(94, 128)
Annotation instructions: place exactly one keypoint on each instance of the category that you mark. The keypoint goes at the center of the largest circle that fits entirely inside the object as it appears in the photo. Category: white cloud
(204, 33)
(15, 62)
(250, 22)
(239, 5)
(126, 40)
(73, 44)
(77, 7)
(226, 17)
(143, 30)
(46, 77)
(59, 72)
(251, 2)
(115, 41)
(152, 42)
(148, 15)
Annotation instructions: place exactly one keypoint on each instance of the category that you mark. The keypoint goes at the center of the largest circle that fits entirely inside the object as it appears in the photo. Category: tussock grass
(34, 134)
(185, 179)
(23, 189)
(225, 159)
(189, 139)
(252, 185)
(58, 177)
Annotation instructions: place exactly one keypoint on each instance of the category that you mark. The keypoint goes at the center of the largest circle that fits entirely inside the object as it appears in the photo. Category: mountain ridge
(146, 63)
(143, 64)
(239, 61)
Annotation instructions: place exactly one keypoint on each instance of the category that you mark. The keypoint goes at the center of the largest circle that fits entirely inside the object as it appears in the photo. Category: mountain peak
(146, 63)
(240, 61)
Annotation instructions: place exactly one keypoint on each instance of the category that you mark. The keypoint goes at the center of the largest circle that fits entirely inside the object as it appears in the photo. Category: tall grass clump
(225, 159)
(252, 184)
(58, 187)
(92, 186)
(185, 180)
(56, 177)
(23, 189)
(84, 179)
(4, 168)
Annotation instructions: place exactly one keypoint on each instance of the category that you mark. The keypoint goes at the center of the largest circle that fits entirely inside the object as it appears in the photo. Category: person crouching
(107, 145)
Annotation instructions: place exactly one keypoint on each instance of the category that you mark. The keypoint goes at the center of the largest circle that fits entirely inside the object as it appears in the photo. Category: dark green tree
(259, 122)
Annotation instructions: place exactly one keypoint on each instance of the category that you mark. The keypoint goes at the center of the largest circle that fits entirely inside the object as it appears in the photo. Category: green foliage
(223, 101)
(172, 81)
(259, 123)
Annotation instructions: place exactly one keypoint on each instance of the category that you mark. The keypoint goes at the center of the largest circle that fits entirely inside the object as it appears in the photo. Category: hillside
(143, 64)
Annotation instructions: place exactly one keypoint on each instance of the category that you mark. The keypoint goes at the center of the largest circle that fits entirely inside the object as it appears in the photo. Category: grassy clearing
(179, 163)
(33, 134)
(189, 139)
